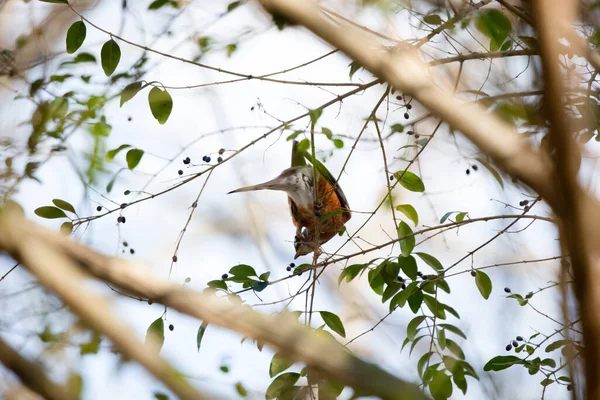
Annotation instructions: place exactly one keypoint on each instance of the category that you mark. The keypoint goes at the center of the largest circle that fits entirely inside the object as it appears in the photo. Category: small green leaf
(101, 128)
(161, 104)
(499, 363)
(460, 217)
(200, 334)
(433, 19)
(160, 396)
(133, 157)
(130, 91)
(280, 384)
(495, 25)
(314, 116)
(243, 270)
(409, 266)
(349, 273)
(279, 364)
(408, 243)
(397, 128)
(410, 181)
(338, 143)
(333, 322)
(110, 55)
(264, 276)
(415, 300)
(453, 329)
(556, 345)
(233, 5)
(431, 261)
(410, 212)
(241, 389)
(112, 153)
(401, 298)
(217, 284)
(441, 338)
(231, 48)
(64, 205)
(75, 36)
(50, 212)
(484, 284)
(376, 281)
(440, 386)
(156, 332)
(260, 286)
(354, 66)
(413, 325)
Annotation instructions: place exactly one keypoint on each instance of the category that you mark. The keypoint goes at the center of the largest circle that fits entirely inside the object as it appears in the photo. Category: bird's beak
(275, 184)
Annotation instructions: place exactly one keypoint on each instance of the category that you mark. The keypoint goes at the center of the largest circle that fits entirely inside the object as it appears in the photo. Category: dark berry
(288, 268)
(468, 171)
(473, 273)
(508, 347)
(132, 251)
(523, 203)
(514, 343)
(220, 159)
(121, 219)
(410, 133)
(520, 338)
(204, 158)
(150, 302)
(425, 277)
(186, 160)
(123, 205)
(475, 167)
(174, 258)
(420, 273)
(224, 276)
(207, 159)
(99, 208)
(127, 192)
(404, 286)
(526, 208)
(507, 290)
(398, 97)
(391, 177)
(417, 136)
(569, 387)
(409, 106)
(400, 279)
(292, 265)
(125, 244)
(180, 172)
(406, 116)
(129, 119)
(171, 327)
(221, 151)
(251, 108)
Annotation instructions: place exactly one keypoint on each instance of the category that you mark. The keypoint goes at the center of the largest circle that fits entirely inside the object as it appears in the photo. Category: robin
(329, 212)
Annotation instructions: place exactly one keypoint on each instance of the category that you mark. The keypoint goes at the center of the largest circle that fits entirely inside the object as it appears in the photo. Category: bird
(329, 211)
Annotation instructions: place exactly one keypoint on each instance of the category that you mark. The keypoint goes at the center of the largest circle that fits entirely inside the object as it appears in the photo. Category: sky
(255, 228)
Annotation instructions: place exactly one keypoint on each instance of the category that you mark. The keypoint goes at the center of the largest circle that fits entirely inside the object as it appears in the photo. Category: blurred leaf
(495, 25)
(101, 128)
(50, 212)
(453, 329)
(433, 19)
(160, 396)
(260, 286)
(410, 212)
(314, 116)
(64, 205)
(75, 36)
(66, 228)
(130, 91)
(233, 5)
(333, 322)
(354, 66)
(75, 385)
(556, 345)
(217, 284)
(161, 104)
(110, 55)
(156, 333)
(241, 389)
(133, 157)
(499, 363)
(440, 386)
(200, 334)
(231, 48)
(112, 153)
(484, 284)
(279, 364)
(280, 384)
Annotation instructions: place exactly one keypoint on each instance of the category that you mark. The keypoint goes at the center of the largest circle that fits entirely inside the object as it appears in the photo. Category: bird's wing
(327, 175)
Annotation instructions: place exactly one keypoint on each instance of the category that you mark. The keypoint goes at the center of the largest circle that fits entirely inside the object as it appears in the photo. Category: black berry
(475, 167)
(514, 343)
(523, 203)
(400, 279)
(508, 347)
(224, 276)
(99, 208)
(171, 327)
(406, 116)
(150, 302)
(473, 273)
(404, 286)
(409, 106)
(174, 258)
(127, 192)
(417, 136)
(569, 387)
(398, 97)
(520, 338)
(180, 172)
(220, 159)
(468, 171)
(186, 160)
(391, 177)
(420, 273)
(129, 119)
(221, 151)
(507, 290)
(125, 244)
(292, 265)
(288, 268)
(132, 251)
(410, 133)
(207, 159)
(123, 205)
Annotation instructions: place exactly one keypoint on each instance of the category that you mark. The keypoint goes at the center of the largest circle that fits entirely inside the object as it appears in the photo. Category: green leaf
(495, 25)
(112, 153)
(280, 384)
(75, 385)
(423, 361)
(440, 386)
(110, 55)
(156, 332)
(260, 286)
(484, 284)
(459, 380)
(243, 270)
(410, 181)
(349, 273)
(410, 212)
(217, 284)
(431, 261)
(130, 91)
(390, 290)
(415, 300)
(397, 128)
(64, 205)
(101, 128)
(314, 116)
(200, 334)
(413, 325)
(433, 19)
(460, 217)
(493, 171)
(435, 306)
(161, 104)
(233, 5)
(549, 362)
(75, 36)
(354, 66)
(160, 396)
(50, 212)
(499, 363)
(84, 58)
(338, 143)
(408, 243)
(66, 228)
(279, 364)
(133, 157)
(264, 276)
(376, 281)
(441, 337)
(333, 322)
(401, 298)
(409, 266)
(453, 329)
(241, 389)
(556, 345)
(231, 48)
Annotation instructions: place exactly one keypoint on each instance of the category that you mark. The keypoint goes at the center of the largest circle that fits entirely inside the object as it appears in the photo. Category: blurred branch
(282, 332)
(32, 374)
(576, 223)
(58, 272)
